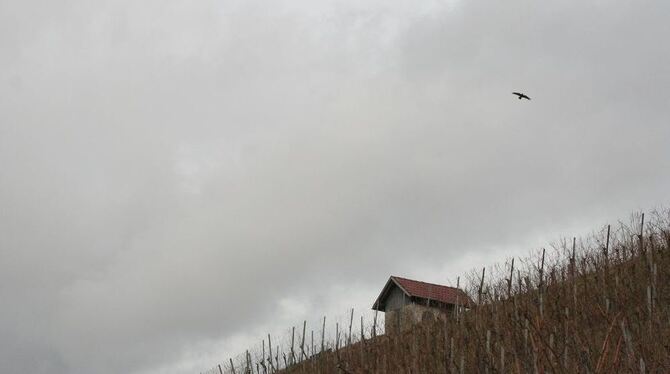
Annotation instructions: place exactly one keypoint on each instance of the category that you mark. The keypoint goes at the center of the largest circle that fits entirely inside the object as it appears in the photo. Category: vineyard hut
(406, 302)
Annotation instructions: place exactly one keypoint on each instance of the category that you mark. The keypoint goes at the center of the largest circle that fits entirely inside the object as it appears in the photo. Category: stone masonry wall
(404, 318)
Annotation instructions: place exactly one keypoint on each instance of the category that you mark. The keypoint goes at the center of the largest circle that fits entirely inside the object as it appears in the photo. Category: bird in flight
(521, 96)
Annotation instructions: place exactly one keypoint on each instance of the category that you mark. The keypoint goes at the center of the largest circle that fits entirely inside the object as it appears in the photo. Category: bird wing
(518, 94)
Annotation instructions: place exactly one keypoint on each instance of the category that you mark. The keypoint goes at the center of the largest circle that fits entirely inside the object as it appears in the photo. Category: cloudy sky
(179, 178)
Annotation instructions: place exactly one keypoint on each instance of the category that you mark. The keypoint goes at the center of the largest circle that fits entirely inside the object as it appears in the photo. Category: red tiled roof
(413, 288)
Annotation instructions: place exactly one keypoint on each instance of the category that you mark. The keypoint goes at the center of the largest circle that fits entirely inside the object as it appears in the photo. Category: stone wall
(404, 318)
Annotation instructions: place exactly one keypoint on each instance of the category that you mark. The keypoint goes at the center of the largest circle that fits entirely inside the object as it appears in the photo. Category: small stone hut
(406, 302)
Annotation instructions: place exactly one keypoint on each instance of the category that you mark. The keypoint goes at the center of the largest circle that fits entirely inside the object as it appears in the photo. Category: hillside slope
(602, 306)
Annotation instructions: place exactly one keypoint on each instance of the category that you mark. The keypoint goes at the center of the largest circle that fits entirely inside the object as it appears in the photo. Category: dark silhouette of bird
(521, 96)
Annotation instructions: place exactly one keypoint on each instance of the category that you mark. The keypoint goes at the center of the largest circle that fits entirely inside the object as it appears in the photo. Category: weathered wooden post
(641, 237)
(374, 325)
(337, 336)
(542, 268)
(232, 367)
(272, 365)
(607, 243)
(362, 343)
(509, 281)
(302, 341)
(458, 293)
(573, 264)
(481, 287)
(351, 322)
(565, 339)
(292, 358)
(277, 358)
(540, 290)
(628, 341)
(323, 334)
(265, 369)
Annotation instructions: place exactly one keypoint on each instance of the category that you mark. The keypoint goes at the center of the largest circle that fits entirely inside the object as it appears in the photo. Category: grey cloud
(172, 171)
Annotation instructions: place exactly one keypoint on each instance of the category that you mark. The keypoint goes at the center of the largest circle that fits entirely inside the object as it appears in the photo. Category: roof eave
(385, 290)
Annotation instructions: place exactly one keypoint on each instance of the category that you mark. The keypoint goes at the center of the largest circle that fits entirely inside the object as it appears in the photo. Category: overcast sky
(178, 178)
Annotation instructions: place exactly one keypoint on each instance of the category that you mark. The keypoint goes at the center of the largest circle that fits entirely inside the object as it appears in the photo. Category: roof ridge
(418, 281)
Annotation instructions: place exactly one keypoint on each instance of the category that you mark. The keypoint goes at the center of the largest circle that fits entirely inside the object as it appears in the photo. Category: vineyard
(596, 305)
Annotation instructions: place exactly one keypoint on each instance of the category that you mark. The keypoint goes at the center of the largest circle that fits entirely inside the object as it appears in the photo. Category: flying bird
(521, 96)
